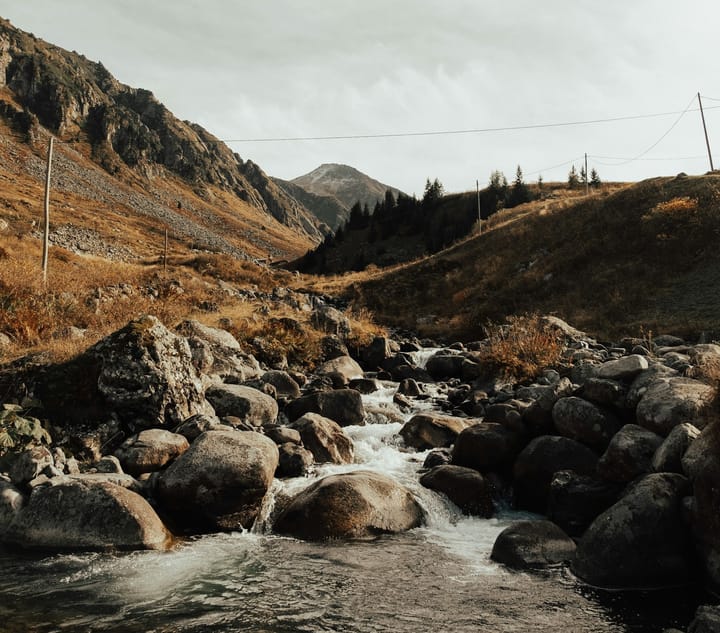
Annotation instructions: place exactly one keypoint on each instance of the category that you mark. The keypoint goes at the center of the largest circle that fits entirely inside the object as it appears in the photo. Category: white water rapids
(434, 578)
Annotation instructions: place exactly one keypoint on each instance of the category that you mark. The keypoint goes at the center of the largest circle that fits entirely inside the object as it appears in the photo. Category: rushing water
(435, 578)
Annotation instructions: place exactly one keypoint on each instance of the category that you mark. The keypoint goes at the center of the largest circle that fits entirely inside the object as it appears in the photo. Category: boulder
(196, 425)
(220, 351)
(343, 365)
(465, 487)
(11, 502)
(379, 350)
(629, 454)
(707, 620)
(410, 388)
(585, 422)
(248, 404)
(437, 457)
(537, 416)
(219, 483)
(642, 540)
(282, 434)
(702, 464)
(109, 464)
(672, 401)
(532, 544)
(82, 515)
(623, 369)
(344, 406)
(431, 430)
(606, 393)
(638, 387)
(295, 461)
(365, 385)
(29, 464)
(443, 366)
(486, 446)
(117, 479)
(325, 439)
(285, 385)
(150, 450)
(668, 456)
(359, 504)
(142, 375)
(575, 501)
(540, 460)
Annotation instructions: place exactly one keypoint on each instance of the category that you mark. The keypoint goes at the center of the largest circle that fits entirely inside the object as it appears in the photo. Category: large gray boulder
(639, 386)
(585, 422)
(344, 406)
(249, 404)
(540, 460)
(343, 365)
(431, 429)
(486, 446)
(142, 375)
(11, 502)
(295, 461)
(668, 457)
(150, 450)
(629, 454)
(379, 350)
(219, 483)
(71, 514)
(325, 439)
(285, 385)
(29, 463)
(707, 620)
(442, 366)
(642, 540)
(465, 487)
(359, 504)
(625, 368)
(672, 401)
(217, 353)
(532, 544)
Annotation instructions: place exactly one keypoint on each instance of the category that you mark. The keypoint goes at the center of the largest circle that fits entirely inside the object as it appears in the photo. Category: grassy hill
(641, 257)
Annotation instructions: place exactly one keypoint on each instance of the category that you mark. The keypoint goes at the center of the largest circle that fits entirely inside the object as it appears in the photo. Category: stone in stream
(343, 365)
(11, 502)
(431, 430)
(487, 446)
(295, 461)
(249, 404)
(325, 439)
(532, 544)
(642, 540)
(625, 368)
(344, 406)
(219, 483)
(669, 402)
(285, 385)
(465, 487)
(73, 514)
(668, 457)
(359, 504)
(29, 464)
(196, 425)
(629, 454)
(585, 422)
(150, 450)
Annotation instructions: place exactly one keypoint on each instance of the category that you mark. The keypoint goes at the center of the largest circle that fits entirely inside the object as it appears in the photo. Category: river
(434, 578)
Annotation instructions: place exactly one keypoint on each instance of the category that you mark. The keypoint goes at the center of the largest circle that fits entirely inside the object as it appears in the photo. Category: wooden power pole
(46, 230)
(707, 141)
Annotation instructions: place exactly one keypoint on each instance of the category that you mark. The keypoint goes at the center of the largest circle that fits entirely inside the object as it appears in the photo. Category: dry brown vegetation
(622, 259)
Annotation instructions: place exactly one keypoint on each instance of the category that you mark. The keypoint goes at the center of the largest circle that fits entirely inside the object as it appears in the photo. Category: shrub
(522, 348)
(19, 432)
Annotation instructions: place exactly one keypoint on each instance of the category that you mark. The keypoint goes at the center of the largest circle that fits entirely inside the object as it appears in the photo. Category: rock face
(325, 439)
(465, 487)
(150, 450)
(143, 374)
(359, 504)
(344, 406)
(641, 541)
(431, 430)
(529, 544)
(79, 515)
(219, 482)
(249, 404)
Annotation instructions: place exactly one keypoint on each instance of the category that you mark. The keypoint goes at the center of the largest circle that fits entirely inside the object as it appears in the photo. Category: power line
(510, 128)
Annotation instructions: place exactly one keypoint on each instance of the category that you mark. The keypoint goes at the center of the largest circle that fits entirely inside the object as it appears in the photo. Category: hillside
(121, 154)
(642, 258)
(346, 184)
(326, 208)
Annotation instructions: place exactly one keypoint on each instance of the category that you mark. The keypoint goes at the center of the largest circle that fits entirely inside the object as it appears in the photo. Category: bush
(522, 349)
(17, 432)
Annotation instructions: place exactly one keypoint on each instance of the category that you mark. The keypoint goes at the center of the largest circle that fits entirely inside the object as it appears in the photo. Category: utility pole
(587, 177)
(477, 185)
(46, 231)
(707, 141)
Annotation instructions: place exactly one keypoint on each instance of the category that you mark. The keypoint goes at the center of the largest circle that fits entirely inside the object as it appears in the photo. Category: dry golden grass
(521, 349)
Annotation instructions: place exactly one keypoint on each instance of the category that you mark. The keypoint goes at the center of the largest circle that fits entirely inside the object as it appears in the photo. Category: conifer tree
(594, 178)
(573, 180)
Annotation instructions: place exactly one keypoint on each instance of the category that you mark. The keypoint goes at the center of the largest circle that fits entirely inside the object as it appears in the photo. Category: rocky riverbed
(162, 436)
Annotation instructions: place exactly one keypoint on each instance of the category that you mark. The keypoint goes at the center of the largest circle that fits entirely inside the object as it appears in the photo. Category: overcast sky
(251, 69)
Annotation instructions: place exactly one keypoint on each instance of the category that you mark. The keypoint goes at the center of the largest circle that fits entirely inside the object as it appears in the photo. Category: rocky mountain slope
(139, 144)
(328, 209)
(346, 184)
